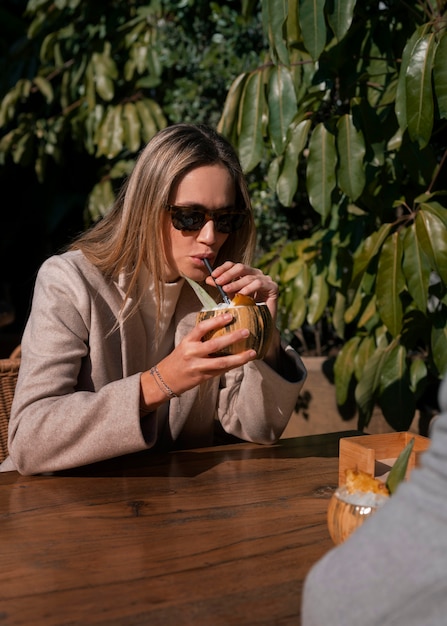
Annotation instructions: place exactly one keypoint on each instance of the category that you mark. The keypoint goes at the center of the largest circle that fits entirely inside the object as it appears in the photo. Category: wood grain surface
(214, 536)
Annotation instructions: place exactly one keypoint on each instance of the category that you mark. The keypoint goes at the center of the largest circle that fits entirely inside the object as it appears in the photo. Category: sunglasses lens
(229, 222)
(186, 219)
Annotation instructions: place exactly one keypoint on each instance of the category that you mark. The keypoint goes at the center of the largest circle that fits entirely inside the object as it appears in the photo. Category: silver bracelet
(161, 383)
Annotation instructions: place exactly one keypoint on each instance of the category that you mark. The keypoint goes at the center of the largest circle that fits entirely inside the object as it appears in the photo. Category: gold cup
(256, 318)
(347, 512)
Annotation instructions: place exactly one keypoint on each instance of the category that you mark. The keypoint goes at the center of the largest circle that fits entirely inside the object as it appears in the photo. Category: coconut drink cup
(348, 511)
(255, 317)
(362, 494)
(246, 314)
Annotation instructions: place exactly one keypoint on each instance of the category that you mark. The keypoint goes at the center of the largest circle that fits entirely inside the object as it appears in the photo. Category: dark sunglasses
(195, 218)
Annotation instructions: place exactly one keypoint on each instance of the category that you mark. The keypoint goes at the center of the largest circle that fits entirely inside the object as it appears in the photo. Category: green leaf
(369, 310)
(365, 351)
(132, 126)
(340, 18)
(351, 152)
(6, 145)
(287, 181)
(389, 284)
(36, 25)
(292, 270)
(105, 72)
(416, 268)
(419, 93)
(273, 175)
(247, 7)
(297, 307)
(282, 105)
(313, 26)
(90, 91)
(396, 398)
(101, 199)
(293, 26)
(228, 122)
(355, 306)
(338, 314)
(321, 170)
(335, 278)
(418, 375)
(251, 135)
(319, 295)
(7, 107)
(111, 134)
(148, 125)
(204, 297)
(399, 469)
(156, 112)
(432, 235)
(44, 87)
(22, 148)
(401, 100)
(344, 368)
(440, 76)
(273, 18)
(437, 209)
(368, 385)
(366, 252)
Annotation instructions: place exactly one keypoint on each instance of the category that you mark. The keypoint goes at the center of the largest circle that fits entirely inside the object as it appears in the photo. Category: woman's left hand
(239, 278)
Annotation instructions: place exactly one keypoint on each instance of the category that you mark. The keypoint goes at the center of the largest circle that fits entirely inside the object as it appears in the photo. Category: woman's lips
(198, 260)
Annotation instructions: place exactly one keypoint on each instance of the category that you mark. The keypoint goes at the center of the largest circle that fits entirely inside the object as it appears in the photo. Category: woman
(112, 361)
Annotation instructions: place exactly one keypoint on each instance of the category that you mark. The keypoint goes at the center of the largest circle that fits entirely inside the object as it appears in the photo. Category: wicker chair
(9, 369)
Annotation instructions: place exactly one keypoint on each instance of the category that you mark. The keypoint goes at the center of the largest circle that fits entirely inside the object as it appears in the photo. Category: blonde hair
(130, 236)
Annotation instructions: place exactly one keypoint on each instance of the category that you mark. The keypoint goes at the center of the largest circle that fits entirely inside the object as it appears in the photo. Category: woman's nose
(208, 232)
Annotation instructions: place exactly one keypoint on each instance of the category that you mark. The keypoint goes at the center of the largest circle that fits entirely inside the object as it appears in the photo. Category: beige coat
(78, 392)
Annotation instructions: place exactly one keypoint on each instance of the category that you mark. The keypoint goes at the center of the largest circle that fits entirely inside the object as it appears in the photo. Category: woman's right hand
(190, 363)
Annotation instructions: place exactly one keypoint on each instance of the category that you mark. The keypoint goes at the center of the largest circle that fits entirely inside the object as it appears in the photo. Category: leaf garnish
(399, 469)
(207, 301)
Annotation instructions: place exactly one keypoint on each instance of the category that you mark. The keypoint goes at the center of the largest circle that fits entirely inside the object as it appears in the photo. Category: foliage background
(349, 108)
(82, 87)
(338, 110)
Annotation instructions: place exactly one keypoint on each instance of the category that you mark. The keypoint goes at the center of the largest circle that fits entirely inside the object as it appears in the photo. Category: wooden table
(212, 536)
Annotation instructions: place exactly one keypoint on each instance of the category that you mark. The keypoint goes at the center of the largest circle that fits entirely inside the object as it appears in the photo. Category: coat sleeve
(256, 402)
(72, 405)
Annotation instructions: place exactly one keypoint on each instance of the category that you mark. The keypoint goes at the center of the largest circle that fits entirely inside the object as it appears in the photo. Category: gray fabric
(70, 345)
(393, 570)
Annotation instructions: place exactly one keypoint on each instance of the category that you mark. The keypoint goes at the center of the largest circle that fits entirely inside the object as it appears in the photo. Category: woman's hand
(190, 363)
(239, 278)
